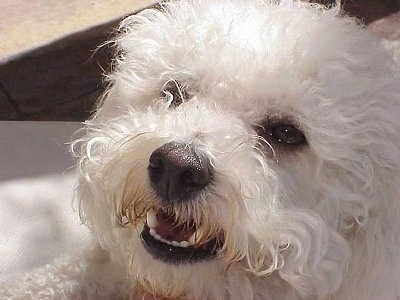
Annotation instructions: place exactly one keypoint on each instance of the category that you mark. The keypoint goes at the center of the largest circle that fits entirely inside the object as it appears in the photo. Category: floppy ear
(310, 257)
(316, 260)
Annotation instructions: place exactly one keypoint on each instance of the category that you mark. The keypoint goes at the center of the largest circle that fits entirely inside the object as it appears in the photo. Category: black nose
(177, 172)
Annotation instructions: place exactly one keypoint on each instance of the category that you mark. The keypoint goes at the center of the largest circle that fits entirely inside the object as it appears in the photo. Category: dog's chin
(175, 243)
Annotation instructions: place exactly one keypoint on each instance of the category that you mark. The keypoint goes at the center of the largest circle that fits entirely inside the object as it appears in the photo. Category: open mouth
(178, 244)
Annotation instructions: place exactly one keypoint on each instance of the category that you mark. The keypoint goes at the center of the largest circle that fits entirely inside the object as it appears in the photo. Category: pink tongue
(169, 231)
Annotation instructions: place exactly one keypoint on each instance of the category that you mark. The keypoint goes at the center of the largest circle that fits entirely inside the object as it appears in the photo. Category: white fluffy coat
(321, 222)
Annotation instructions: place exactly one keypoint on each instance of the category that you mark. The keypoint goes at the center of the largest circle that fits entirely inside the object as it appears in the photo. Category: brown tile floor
(28, 24)
(57, 84)
(48, 67)
(62, 80)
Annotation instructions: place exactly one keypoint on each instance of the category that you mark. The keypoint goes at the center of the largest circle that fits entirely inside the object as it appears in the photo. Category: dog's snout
(177, 172)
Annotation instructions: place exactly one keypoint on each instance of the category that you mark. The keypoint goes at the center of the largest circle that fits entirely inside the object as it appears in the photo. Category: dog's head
(241, 141)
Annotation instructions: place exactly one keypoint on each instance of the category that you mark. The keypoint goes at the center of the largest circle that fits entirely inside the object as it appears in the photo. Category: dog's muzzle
(177, 174)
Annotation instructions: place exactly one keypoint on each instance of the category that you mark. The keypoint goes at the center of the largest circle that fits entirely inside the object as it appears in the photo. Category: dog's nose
(177, 172)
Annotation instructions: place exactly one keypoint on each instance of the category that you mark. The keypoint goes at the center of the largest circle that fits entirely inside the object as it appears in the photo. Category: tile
(7, 111)
(77, 110)
(45, 21)
(55, 76)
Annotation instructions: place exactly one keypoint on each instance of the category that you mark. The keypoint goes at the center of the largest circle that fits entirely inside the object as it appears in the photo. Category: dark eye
(174, 93)
(284, 134)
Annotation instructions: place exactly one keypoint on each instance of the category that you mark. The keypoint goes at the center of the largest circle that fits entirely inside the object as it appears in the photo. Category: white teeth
(152, 222)
(182, 244)
(151, 219)
(176, 244)
(154, 234)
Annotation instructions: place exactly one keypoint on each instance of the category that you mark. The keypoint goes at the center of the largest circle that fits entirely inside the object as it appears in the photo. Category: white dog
(246, 150)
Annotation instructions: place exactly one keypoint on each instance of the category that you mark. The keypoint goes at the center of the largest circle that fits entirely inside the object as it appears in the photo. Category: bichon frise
(246, 150)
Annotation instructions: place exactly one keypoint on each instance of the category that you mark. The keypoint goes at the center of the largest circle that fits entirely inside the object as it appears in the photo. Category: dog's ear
(311, 257)
(317, 262)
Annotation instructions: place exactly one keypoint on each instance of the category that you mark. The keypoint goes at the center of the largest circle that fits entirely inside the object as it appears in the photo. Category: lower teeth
(183, 244)
(152, 222)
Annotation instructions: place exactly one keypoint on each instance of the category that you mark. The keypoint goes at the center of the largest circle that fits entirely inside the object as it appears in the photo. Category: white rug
(37, 219)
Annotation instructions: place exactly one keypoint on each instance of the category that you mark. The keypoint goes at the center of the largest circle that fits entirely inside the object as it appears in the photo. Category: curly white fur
(320, 222)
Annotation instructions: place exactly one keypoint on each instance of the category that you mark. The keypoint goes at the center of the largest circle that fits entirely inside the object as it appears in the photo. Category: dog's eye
(174, 93)
(284, 134)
